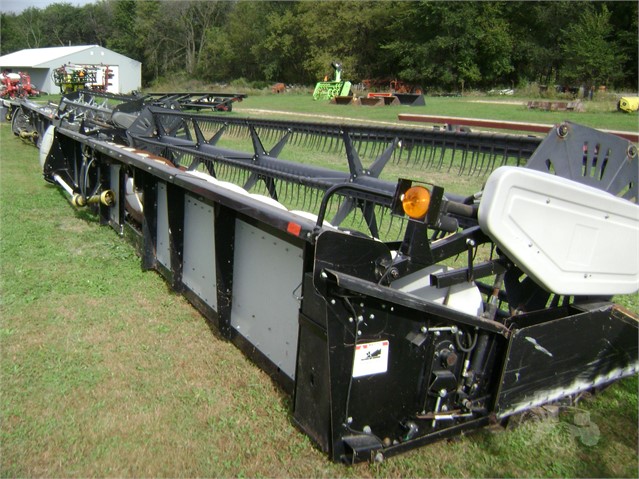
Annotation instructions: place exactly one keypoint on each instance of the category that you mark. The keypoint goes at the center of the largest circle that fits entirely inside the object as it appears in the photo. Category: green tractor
(327, 90)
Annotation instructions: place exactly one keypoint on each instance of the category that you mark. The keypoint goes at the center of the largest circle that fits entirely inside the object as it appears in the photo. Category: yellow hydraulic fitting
(78, 201)
(28, 135)
(107, 198)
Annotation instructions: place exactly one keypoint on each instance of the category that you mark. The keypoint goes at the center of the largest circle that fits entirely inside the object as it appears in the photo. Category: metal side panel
(163, 252)
(198, 272)
(267, 280)
(548, 361)
(114, 185)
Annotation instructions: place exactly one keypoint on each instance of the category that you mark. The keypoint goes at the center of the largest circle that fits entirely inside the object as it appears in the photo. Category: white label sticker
(370, 358)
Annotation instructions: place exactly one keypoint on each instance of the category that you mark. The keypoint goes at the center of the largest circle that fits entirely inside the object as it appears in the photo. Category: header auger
(401, 313)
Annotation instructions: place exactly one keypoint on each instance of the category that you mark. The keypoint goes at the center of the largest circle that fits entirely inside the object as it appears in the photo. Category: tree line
(438, 45)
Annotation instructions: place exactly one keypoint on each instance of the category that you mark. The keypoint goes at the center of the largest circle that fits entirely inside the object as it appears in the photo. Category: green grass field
(105, 372)
(598, 114)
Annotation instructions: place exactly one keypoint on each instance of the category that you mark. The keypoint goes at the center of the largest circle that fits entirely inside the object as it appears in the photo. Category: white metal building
(40, 63)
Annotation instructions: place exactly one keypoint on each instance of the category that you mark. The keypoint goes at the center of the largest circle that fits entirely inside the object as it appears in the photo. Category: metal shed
(40, 63)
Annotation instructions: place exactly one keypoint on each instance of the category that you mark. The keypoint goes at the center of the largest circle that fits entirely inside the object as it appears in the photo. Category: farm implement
(329, 89)
(197, 101)
(71, 78)
(394, 312)
(16, 85)
(102, 110)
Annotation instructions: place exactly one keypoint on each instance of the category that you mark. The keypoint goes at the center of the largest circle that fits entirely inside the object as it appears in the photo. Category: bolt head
(562, 131)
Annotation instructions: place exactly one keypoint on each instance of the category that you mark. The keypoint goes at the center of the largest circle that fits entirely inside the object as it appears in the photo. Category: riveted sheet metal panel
(267, 280)
(198, 272)
(163, 252)
(548, 361)
(114, 185)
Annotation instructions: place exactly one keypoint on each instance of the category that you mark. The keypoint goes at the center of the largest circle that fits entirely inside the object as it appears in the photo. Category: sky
(16, 6)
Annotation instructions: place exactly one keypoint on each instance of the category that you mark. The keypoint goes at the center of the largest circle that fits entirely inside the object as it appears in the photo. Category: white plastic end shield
(570, 238)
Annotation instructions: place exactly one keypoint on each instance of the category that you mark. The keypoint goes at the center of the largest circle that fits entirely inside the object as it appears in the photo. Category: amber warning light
(415, 202)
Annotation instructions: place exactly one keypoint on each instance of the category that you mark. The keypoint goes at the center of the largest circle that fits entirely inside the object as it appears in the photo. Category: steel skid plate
(593, 346)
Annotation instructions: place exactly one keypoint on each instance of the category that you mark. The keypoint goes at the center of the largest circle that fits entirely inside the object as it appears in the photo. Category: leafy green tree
(591, 54)
(452, 44)
(350, 32)
(96, 23)
(123, 38)
(447, 45)
(624, 19)
(31, 28)
(536, 28)
(282, 48)
(9, 23)
(63, 23)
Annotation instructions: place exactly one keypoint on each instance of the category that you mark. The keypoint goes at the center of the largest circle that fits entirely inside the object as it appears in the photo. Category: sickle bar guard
(389, 332)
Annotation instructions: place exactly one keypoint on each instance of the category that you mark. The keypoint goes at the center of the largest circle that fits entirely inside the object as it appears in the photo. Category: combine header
(395, 313)
(197, 101)
(101, 110)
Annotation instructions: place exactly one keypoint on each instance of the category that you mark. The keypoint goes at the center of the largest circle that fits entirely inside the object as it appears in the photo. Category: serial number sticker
(370, 358)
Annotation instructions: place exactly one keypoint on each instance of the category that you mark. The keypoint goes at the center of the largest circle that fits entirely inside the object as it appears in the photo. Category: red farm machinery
(16, 85)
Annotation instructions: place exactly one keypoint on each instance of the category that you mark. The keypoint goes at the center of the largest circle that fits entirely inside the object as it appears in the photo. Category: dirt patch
(500, 102)
(315, 116)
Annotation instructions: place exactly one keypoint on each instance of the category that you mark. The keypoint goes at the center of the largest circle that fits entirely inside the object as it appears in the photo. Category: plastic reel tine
(415, 154)
(452, 159)
(294, 139)
(325, 140)
(494, 161)
(429, 159)
(477, 162)
(317, 195)
(437, 164)
(462, 162)
(305, 138)
(486, 165)
(492, 158)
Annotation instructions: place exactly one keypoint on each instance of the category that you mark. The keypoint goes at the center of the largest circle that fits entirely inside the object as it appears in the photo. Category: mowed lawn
(105, 372)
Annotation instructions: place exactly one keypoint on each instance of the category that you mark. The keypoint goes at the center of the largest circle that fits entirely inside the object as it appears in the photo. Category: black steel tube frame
(373, 370)
(477, 153)
(196, 101)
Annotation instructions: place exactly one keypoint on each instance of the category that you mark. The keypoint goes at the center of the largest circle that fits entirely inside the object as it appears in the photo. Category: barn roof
(32, 57)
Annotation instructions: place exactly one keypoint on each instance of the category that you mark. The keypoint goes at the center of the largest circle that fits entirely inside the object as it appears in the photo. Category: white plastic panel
(570, 238)
(462, 297)
(132, 196)
(198, 268)
(45, 144)
(202, 176)
(267, 200)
